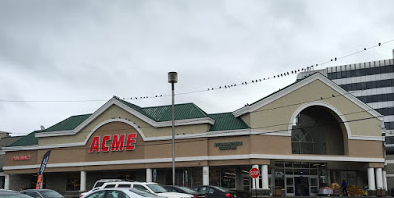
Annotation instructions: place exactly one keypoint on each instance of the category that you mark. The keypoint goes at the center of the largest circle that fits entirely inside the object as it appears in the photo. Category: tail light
(80, 195)
(229, 195)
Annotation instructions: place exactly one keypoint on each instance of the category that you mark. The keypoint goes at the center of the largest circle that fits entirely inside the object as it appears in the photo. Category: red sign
(254, 172)
(17, 158)
(113, 143)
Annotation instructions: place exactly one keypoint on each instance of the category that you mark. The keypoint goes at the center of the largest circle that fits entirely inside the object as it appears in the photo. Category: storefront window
(224, 177)
(349, 176)
(189, 177)
(73, 182)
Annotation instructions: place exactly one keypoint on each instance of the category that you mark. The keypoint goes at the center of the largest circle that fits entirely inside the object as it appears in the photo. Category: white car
(120, 193)
(113, 184)
(144, 186)
(158, 190)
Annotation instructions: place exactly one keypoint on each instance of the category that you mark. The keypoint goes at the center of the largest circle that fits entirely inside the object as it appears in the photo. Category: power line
(200, 139)
(269, 126)
(215, 88)
(294, 104)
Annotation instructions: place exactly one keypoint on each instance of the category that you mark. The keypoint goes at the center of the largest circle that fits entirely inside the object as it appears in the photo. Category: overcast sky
(74, 50)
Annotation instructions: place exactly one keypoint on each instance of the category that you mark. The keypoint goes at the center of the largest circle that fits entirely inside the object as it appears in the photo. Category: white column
(384, 180)
(371, 179)
(205, 175)
(7, 182)
(257, 180)
(379, 178)
(264, 175)
(82, 187)
(148, 175)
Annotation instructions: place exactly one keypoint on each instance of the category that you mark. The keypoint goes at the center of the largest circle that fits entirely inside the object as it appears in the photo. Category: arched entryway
(319, 128)
(317, 131)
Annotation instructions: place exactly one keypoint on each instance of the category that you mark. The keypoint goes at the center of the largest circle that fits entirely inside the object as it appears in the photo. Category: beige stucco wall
(267, 118)
(272, 118)
(117, 112)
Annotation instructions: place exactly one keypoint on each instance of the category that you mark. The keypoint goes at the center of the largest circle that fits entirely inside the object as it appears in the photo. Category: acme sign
(228, 145)
(18, 158)
(113, 143)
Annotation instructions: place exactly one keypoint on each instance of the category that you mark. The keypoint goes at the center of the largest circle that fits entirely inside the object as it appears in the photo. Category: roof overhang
(304, 82)
(114, 101)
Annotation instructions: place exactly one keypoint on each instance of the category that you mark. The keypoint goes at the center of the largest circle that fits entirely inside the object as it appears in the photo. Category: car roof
(118, 182)
(106, 180)
(144, 182)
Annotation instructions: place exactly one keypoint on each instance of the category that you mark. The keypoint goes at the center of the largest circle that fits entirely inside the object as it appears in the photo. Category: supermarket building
(305, 136)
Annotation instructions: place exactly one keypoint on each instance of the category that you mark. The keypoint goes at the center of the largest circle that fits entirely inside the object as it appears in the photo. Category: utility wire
(264, 127)
(201, 139)
(227, 86)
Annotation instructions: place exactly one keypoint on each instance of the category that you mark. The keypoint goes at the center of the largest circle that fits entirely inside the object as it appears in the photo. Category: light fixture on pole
(173, 78)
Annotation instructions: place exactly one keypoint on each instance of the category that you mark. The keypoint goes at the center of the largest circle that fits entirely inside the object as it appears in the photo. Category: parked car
(103, 181)
(183, 189)
(116, 184)
(214, 191)
(120, 193)
(42, 193)
(12, 194)
(151, 187)
(159, 190)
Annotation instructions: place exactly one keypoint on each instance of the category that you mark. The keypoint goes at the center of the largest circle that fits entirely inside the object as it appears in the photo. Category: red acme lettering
(24, 157)
(113, 143)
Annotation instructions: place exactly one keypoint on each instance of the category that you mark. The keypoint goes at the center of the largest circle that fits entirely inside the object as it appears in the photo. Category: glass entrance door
(301, 185)
(314, 185)
(289, 185)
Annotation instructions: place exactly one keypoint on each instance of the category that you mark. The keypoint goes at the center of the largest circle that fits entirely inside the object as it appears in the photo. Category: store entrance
(301, 186)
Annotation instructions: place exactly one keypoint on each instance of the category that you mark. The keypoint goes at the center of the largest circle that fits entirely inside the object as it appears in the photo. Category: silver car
(120, 193)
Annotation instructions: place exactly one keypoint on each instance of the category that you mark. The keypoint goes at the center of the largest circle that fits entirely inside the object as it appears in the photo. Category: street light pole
(173, 78)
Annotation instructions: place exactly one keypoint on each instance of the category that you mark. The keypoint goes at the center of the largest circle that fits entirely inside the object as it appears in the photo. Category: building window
(361, 72)
(224, 177)
(73, 182)
(316, 131)
(368, 85)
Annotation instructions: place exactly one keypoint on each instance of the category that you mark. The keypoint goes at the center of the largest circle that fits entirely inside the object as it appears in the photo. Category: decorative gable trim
(130, 110)
(306, 81)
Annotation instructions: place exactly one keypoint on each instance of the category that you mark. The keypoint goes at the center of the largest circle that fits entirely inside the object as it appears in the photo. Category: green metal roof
(227, 121)
(164, 113)
(181, 111)
(223, 121)
(27, 140)
(68, 124)
(135, 107)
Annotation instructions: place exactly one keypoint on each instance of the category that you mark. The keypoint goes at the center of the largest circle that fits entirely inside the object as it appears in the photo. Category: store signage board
(117, 142)
(254, 173)
(21, 158)
(228, 145)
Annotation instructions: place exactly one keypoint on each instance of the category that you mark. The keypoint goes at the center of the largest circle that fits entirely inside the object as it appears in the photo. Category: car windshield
(156, 188)
(142, 193)
(188, 190)
(51, 194)
(222, 189)
(98, 184)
